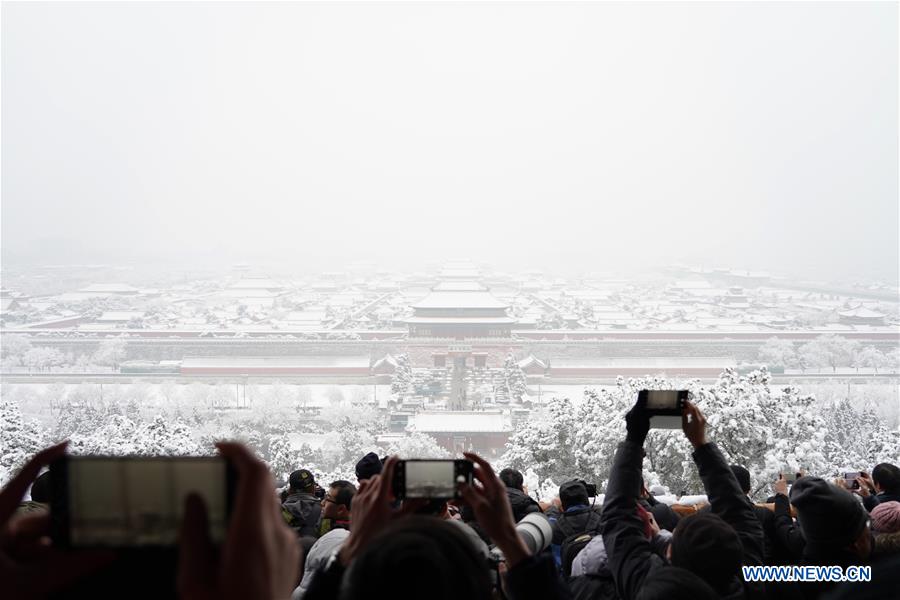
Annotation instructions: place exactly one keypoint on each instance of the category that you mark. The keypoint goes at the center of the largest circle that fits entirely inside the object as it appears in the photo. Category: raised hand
(487, 497)
(260, 556)
(372, 511)
(780, 485)
(30, 567)
(693, 423)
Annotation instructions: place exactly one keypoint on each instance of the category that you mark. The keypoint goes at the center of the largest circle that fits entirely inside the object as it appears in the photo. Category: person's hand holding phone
(260, 555)
(865, 481)
(693, 423)
(492, 510)
(780, 485)
(637, 423)
(30, 567)
(372, 511)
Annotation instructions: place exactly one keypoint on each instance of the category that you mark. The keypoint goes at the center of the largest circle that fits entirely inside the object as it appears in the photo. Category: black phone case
(461, 466)
(60, 523)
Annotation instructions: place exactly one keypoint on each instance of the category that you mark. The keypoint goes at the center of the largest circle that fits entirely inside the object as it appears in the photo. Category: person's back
(577, 516)
(521, 503)
(301, 509)
(835, 527)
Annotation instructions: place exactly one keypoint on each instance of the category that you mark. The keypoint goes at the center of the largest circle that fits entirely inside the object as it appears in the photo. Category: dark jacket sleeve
(630, 555)
(536, 578)
(728, 501)
(787, 534)
(871, 501)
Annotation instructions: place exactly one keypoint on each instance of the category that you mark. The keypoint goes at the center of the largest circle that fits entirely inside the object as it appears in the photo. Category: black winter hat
(707, 546)
(302, 480)
(829, 517)
(368, 466)
(572, 493)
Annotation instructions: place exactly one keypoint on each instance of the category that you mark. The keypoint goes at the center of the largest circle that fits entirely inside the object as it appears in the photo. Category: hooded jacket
(301, 511)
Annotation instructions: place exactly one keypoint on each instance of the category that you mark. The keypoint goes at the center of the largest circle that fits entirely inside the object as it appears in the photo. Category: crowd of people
(345, 540)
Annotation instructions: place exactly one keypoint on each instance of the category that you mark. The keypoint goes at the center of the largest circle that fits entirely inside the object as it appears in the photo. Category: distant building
(460, 309)
(463, 431)
(108, 289)
(862, 316)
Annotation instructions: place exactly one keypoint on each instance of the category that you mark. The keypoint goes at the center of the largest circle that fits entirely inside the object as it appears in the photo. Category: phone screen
(430, 479)
(126, 501)
(662, 399)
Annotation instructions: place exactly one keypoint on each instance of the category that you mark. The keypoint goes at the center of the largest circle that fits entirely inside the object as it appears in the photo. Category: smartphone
(789, 476)
(431, 479)
(850, 478)
(134, 501)
(664, 406)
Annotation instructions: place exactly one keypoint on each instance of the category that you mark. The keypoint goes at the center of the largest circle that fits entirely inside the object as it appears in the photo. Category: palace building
(460, 309)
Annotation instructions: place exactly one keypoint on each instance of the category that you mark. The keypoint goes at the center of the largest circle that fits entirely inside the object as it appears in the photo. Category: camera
(134, 502)
(663, 406)
(430, 479)
(535, 531)
(590, 487)
(850, 478)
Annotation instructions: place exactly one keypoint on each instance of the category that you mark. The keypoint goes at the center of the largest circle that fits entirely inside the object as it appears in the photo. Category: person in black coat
(882, 486)
(835, 529)
(712, 546)
(522, 504)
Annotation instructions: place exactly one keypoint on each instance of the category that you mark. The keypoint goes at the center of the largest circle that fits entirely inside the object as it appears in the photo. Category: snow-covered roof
(386, 360)
(532, 360)
(256, 283)
(120, 316)
(461, 320)
(459, 286)
(459, 422)
(460, 300)
(110, 288)
(862, 313)
(692, 284)
(275, 361)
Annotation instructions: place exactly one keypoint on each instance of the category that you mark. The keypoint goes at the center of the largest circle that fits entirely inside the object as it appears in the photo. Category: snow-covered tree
(777, 352)
(403, 375)
(546, 443)
(765, 430)
(515, 378)
(43, 358)
(166, 437)
(281, 458)
(872, 358)
(829, 351)
(14, 345)
(111, 352)
(858, 437)
(417, 445)
(20, 438)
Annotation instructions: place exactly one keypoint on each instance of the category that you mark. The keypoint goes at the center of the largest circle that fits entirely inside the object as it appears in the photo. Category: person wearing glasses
(334, 530)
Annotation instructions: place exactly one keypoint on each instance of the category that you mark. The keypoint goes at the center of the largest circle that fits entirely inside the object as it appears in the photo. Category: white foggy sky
(759, 135)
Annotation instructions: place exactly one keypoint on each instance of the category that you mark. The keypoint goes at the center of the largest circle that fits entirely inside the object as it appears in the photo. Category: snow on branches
(768, 431)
